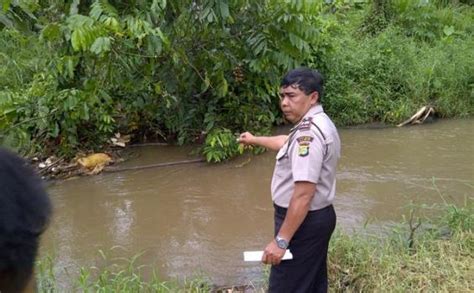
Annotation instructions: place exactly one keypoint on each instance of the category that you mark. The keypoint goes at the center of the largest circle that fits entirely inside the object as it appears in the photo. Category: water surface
(200, 218)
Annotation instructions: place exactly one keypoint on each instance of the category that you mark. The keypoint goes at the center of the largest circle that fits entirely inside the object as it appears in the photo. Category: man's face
(294, 103)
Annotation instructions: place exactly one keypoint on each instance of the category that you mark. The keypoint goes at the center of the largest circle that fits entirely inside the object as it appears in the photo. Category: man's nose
(283, 101)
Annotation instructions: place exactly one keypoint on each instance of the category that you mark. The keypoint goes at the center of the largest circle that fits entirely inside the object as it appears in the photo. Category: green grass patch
(119, 275)
(418, 255)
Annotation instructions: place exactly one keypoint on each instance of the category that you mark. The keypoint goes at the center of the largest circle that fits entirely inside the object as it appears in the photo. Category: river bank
(419, 254)
(90, 163)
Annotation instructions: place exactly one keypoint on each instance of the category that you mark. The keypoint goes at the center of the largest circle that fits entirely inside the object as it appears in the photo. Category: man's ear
(314, 97)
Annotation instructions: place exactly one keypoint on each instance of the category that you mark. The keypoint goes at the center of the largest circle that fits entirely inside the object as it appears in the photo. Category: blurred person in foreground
(303, 186)
(25, 210)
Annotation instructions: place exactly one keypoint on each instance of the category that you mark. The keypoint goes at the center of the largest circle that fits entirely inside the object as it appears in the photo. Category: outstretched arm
(273, 143)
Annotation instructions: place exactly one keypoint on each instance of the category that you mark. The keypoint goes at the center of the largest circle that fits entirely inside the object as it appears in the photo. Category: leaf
(70, 103)
(55, 130)
(206, 83)
(74, 7)
(51, 32)
(79, 21)
(76, 40)
(101, 8)
(101, 45)
(163, 38)
(241, 148)
(84, 32)
(70, 65)
(6, 5)
(154, 45)
(224, 9)
(210, 16)
(223, 88)
(86, 112)
(112, 23)
(8, 111)
(5, 20)
(448, 30)
(158, 6)
(158, 88)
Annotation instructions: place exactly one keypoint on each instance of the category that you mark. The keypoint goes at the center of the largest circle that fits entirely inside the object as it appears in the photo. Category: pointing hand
(246, 138)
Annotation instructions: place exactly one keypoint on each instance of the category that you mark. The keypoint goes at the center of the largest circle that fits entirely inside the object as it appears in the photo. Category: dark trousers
(307, 271)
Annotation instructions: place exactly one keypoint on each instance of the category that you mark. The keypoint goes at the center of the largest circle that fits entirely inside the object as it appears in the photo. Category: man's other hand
(273, 254)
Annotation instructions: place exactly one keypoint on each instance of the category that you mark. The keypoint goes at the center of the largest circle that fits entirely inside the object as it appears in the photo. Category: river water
(199, 218)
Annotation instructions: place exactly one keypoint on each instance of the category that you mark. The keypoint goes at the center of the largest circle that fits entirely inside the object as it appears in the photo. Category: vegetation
(76, 72)
(422, 57)
(436, 256)
(126, 277)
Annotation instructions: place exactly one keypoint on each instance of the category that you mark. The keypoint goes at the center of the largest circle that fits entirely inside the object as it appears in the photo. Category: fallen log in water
(419, 116)
(114, 169)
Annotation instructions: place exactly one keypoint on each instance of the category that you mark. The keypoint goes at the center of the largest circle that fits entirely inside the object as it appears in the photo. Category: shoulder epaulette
(305, 124)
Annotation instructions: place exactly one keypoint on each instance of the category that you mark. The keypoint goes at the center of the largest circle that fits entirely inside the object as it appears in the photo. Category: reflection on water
(200, 218)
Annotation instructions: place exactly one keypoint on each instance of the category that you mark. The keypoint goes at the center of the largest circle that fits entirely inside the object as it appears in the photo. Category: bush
(154, 69)
(78, 72)
(389, 76)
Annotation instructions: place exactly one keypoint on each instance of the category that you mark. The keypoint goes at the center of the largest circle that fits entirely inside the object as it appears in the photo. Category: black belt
(282, 210)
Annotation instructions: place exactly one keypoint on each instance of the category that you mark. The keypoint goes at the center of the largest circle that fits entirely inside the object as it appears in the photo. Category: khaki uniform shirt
(310, 154)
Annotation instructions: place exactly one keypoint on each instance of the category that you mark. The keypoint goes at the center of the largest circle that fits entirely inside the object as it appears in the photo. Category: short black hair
(306, 79)
(25, 209)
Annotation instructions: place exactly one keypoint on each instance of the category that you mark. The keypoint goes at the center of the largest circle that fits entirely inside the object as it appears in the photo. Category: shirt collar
(316, 109)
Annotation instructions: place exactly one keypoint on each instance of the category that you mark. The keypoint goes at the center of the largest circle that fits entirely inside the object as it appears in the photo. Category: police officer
(303, 186)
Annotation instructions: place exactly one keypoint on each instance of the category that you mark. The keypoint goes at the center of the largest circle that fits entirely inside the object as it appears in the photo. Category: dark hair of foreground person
(25, 210)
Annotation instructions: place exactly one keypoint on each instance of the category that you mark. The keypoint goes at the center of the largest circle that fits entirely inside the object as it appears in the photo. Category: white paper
(257, 255)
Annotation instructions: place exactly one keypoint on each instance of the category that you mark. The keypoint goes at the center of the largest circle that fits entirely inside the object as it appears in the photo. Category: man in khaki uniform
(303, 186)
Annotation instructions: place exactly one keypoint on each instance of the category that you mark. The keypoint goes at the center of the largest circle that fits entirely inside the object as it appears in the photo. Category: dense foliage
(423, 57)
(76, 72)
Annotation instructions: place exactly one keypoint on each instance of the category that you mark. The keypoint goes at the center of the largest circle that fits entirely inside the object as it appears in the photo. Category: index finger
(265, 257)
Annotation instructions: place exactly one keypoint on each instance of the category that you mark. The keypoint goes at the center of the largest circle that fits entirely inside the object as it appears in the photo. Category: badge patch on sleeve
(303, 145)
(303, 150)
(304, 139)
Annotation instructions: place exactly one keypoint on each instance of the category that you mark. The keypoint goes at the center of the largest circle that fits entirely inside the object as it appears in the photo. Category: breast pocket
(281, 153)
(282, 165)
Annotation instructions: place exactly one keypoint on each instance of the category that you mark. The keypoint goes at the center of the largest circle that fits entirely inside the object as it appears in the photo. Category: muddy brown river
(199, 218)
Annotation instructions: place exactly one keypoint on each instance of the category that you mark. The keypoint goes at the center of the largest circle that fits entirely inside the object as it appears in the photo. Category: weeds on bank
(434, 255)
(120, 275)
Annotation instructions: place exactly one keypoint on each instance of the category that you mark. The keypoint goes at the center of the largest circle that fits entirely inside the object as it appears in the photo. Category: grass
(120, 275)
(423, 57)
(434, 255)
